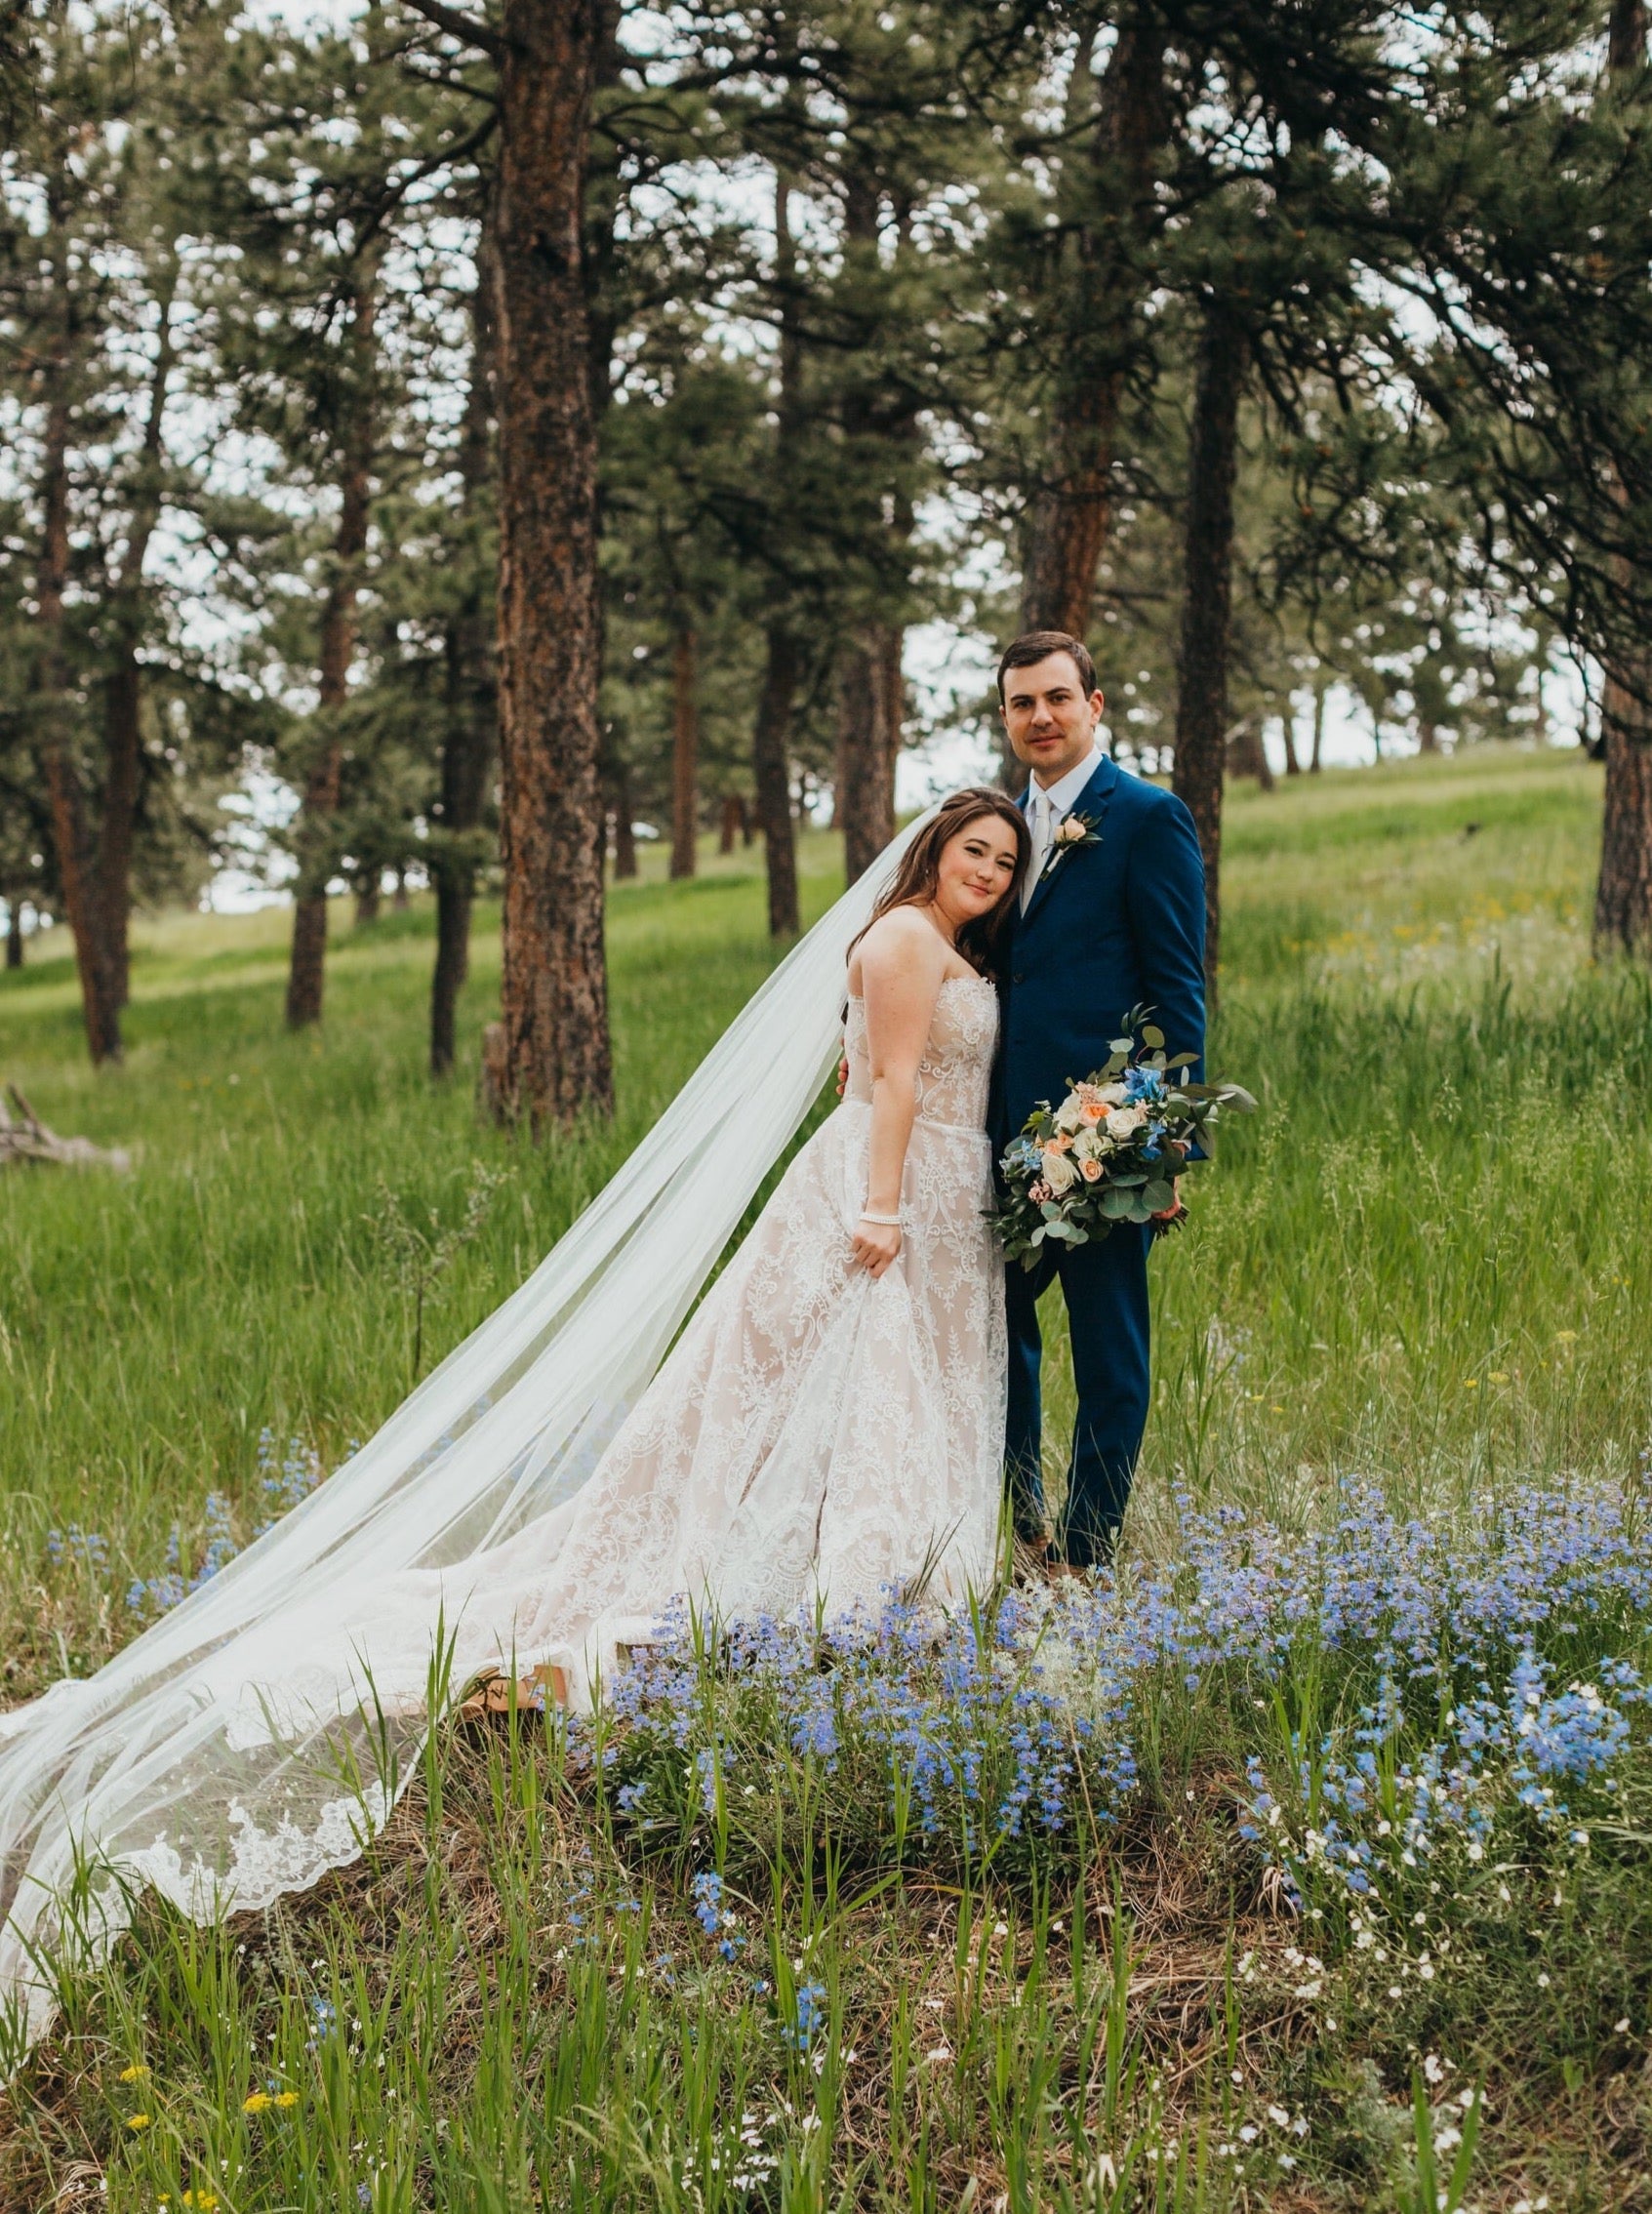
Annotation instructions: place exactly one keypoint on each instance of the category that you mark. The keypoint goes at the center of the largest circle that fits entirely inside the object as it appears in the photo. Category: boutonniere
(1073, 831)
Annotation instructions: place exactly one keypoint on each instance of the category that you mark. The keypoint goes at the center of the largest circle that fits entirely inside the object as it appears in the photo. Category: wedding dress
(544, 1494)
(816, 1433)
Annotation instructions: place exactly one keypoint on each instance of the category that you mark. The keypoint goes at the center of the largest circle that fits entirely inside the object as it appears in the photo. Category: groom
(1112, 917)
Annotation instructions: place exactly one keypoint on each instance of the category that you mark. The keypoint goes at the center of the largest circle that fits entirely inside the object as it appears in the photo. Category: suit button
(1016, 977)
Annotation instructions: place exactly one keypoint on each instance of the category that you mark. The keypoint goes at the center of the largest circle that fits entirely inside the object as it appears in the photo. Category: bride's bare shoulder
(902, 939)
(901, 948)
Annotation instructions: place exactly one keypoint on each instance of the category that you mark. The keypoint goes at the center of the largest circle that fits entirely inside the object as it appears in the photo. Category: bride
(831, 1422)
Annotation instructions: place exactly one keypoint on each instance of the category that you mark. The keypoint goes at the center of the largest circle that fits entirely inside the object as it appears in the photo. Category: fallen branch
(25, 1138)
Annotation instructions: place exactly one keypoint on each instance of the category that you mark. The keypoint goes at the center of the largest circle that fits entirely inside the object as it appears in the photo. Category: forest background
(1276, 350)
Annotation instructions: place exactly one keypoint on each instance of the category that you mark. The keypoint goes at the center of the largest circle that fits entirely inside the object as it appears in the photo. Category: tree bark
(123, 692)
(1315, 759)
(1247, 755)
(866, 752)
(625, 833)
(306, 968)
(557, 1062)
(14, 933)
(782, 649)
(473, 707)
(1100, 283)
(1202, 707)
(733, 822)
(781, 668)
(1287, 723)
(1623, 895)
(685, 753)
(367, 901)
(70, 835)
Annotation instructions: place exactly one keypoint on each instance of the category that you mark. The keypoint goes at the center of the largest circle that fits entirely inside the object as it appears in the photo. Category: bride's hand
(876, 1245)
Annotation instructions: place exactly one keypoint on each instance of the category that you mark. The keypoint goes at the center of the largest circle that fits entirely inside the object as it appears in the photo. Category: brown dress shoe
(531, 1694)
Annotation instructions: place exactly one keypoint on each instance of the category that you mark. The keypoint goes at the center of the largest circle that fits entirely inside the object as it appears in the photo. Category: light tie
(1042, 810)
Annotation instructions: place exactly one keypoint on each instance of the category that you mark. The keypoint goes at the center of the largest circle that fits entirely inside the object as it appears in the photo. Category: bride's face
(976, 869)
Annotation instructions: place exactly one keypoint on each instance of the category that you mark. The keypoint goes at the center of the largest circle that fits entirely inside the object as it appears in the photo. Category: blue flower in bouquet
(1144, 1084)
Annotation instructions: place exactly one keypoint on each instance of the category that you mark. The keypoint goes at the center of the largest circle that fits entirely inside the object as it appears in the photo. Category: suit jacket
(1112, 926)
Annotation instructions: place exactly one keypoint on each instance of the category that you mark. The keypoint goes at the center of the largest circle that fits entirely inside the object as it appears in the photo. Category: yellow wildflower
(135, 2074)
(204, 2200)
(286, 2098)
(255, 2103)
(136, 2121)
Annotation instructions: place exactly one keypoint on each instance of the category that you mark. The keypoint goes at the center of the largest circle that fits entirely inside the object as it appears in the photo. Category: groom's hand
(842, 1075)
(1175, 1211)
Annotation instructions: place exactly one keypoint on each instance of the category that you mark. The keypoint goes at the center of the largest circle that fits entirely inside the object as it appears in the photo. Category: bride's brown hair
(918, 877)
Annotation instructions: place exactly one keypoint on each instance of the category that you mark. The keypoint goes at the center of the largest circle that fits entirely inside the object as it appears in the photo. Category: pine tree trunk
(1202, 707)
(14, 933)
(1292, 759)
(367, 901)
(1623, 893)
(306, 966)
(621, 811)
(123, 695)
(473, 707)
(1427, 737)
(892, 688)
(558, 1061)
(781, 668)
(1068, 516)
(1315, 759)
(733, 822)
(123, 741)
(1247, 756)
(866, 803)
(685, 754)
(71, 836)
(783, 655)
(1622, 897)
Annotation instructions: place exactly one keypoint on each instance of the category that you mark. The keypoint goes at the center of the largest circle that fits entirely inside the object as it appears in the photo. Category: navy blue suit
(1112, 926)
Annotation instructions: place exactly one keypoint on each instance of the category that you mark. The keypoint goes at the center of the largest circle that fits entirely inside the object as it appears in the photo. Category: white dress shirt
(1048, 808)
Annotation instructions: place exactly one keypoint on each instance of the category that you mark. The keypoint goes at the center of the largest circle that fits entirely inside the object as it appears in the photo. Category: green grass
(1425, 1262)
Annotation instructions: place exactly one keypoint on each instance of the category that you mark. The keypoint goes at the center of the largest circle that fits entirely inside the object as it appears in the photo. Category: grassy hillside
(1424, 1266)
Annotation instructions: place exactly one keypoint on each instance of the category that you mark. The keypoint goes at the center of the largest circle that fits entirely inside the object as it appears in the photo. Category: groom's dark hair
(1038, 646)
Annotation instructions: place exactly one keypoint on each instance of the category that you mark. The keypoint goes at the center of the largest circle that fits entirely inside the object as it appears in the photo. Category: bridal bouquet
(1109, 1152)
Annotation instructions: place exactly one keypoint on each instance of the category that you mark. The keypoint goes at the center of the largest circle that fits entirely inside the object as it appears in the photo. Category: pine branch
(458, 25)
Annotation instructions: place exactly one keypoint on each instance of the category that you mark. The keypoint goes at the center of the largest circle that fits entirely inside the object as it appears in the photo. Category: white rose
(1123, 1121)
(1111, 1095)
(1069, 1115)
(1059, 1172)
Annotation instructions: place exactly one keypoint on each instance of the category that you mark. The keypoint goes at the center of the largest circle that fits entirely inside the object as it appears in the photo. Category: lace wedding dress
(560, 1478)
(815, 1433)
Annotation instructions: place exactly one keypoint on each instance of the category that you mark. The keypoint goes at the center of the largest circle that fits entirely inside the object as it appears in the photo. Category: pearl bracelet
(885, 1222)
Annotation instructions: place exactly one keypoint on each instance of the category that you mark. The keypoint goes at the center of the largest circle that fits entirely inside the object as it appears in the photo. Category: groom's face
(1049, 717)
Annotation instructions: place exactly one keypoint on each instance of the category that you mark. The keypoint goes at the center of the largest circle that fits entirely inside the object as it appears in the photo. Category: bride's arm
(901, 960)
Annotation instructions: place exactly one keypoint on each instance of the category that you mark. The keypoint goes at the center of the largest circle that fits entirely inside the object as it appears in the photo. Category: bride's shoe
(532, 1694)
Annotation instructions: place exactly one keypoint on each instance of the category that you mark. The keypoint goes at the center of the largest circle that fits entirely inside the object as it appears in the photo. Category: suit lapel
(1092, 802)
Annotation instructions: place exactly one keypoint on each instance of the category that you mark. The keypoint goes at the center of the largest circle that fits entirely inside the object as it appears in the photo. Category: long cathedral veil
(234, 1751)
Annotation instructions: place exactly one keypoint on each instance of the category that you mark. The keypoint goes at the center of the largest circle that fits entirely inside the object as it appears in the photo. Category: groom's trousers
(1105, 1289)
